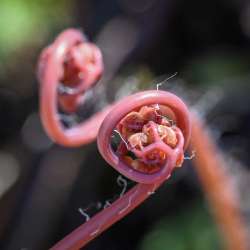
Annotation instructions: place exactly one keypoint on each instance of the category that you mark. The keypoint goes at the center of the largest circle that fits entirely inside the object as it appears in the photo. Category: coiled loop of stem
(135, 101)
(147, 183)
(72, 64)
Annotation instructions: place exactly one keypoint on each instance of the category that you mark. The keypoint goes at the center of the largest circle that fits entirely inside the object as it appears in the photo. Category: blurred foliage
(216, 68)
(133, 78)
(193, 229)
(21, 21)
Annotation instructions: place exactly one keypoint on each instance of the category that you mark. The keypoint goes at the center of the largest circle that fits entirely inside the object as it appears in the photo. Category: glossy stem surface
(78, 135)
(126, 203)
(107, 217)
(132, 102)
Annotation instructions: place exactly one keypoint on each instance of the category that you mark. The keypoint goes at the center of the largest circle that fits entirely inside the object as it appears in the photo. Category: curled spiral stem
(73, 64)
(147, 182)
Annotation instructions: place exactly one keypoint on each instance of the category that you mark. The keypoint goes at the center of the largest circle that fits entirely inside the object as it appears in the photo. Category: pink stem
(107, 217)
(50, 70)
(125, 204)
(77, 136)
(121, 109)
(216, 183)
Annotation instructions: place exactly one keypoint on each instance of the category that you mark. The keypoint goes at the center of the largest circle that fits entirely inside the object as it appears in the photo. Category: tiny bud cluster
(143, 132)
